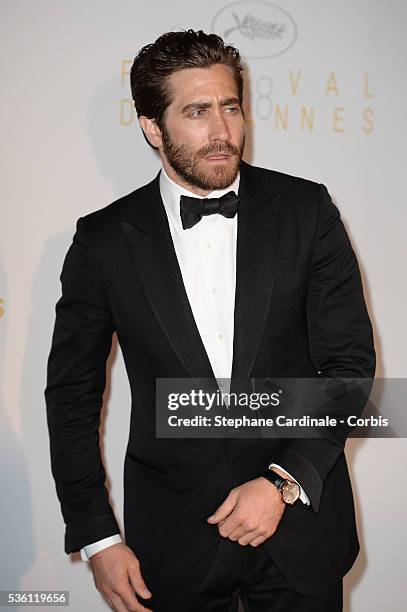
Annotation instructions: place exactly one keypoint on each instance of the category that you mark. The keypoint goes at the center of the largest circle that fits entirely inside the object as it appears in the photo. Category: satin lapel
(257, 248)
(149, 238)
(148, 235)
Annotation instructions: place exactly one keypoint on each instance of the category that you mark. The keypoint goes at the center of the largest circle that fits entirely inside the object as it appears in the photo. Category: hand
(251, 512)
(116, 572)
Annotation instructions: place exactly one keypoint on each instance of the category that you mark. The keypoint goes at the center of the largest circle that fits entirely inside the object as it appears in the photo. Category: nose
(219, 128)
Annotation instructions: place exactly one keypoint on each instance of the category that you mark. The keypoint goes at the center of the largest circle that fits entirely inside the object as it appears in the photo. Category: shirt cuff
(303, 496)
(92, 549)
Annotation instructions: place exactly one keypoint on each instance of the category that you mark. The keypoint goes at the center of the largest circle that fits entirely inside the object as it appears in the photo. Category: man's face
(203, 135)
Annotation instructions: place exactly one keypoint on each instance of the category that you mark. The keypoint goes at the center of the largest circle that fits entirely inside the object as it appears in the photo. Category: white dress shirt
(206, 255)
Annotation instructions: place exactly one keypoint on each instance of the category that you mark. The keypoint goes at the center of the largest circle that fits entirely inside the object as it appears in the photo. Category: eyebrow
(203, 105)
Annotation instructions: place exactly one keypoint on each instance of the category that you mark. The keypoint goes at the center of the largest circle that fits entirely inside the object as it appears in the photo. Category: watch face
(291, 492)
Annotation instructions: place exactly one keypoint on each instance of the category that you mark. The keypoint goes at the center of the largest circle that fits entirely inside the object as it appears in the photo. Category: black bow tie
(192, 209)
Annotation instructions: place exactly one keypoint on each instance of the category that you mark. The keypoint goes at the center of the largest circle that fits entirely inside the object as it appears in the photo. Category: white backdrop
(327, 102)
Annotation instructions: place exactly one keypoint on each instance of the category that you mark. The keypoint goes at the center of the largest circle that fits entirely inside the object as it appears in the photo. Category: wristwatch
(290, 491)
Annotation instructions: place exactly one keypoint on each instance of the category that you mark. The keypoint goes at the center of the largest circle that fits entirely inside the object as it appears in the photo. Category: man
(197, 282)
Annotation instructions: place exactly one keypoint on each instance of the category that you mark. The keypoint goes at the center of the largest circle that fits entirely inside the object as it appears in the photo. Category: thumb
(224, 509)
(138, 584)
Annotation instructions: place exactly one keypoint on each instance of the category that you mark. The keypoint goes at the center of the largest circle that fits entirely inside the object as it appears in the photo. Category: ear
(151, 131)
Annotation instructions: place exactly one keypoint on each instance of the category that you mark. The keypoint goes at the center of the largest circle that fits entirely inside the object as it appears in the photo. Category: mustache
(227, 148)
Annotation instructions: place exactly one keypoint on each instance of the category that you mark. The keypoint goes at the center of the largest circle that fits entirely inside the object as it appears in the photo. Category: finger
(257, 541)
(138, 584)
(108, 595)
(109, 601)
(129, 599)
(229, 525)
(224, 509)
(237, 533)
(249, 537)
(120, 605)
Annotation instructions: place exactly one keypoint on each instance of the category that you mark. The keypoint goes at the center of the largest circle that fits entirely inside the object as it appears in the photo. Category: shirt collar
(171, 193)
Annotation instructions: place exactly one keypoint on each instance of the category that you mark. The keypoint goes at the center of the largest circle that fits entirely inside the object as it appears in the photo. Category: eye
(193, 113)
(234, 109)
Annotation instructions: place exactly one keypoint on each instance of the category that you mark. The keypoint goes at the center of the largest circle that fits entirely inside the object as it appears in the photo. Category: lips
(219, 156)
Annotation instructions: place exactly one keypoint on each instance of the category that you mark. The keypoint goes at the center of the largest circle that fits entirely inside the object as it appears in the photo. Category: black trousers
(249, 574)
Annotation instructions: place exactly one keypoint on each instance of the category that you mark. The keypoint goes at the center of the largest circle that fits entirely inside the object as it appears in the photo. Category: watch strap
(277, 480)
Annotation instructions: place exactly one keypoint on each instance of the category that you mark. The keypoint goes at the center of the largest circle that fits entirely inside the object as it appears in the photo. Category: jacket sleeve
(341, 344)
(76, 376)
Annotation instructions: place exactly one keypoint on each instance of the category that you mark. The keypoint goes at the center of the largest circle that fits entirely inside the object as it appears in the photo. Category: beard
(188, 165)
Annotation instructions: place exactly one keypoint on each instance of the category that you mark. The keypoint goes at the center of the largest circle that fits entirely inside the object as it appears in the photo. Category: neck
(181, 182)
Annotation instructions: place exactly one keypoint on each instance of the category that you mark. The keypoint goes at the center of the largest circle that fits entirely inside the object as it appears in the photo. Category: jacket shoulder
(118, 209)
(273, 179)
(105, 224)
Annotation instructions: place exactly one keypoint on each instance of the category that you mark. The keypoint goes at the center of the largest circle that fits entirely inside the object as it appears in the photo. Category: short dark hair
(171, 52)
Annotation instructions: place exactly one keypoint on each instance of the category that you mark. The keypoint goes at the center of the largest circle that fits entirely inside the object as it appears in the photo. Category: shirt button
(214, 290)
(208, 245)
(220, 336)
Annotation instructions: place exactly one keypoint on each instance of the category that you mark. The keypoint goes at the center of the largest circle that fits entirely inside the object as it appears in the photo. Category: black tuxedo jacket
(299, 311)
